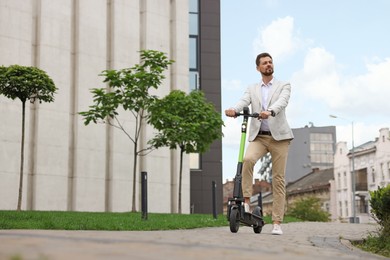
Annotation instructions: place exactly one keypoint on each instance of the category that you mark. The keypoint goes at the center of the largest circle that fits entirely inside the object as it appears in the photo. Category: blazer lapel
(258, 93)
(272, 91)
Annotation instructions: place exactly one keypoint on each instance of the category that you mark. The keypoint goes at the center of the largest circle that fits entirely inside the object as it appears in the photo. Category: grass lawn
(64, 220)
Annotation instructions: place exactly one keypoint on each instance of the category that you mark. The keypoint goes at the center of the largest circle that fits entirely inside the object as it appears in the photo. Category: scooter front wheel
(259, 224)
(234, 220)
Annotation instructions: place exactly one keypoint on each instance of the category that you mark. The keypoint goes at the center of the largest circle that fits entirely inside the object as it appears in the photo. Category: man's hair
(262, 55)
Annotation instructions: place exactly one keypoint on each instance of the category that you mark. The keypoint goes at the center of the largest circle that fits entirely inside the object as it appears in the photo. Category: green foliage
(128, 88)
(26, 83)
(308, 209)
(380, 208)
(375, 244)
(185, 121)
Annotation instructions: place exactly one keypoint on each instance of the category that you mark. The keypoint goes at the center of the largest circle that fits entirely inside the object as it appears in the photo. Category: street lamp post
(353, 171)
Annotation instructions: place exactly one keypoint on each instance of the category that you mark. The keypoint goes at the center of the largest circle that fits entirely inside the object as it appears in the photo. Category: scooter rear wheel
(234, 220)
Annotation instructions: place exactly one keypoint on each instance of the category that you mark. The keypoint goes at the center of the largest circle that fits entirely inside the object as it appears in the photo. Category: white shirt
(264, 95)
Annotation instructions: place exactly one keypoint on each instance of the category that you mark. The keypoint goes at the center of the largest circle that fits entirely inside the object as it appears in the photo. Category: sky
(335, 54)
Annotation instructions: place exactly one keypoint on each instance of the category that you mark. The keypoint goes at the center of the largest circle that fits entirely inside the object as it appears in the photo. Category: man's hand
(230, 112)
(265, 114)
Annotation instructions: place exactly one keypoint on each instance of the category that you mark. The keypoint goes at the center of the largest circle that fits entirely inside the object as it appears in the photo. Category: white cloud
(322, 79)
(362, 133)
(279, 39)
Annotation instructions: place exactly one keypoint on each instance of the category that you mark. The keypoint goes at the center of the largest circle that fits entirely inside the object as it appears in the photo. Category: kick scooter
(235, 208)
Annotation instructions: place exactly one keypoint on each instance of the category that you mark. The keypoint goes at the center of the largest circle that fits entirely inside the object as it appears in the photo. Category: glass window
(193, 53)
(338, 180)
(194, 161)
(382, 172)
(388, 170)
(340, 208)
(345, 179)
(193, 6)
(194, 80)
(194, 24)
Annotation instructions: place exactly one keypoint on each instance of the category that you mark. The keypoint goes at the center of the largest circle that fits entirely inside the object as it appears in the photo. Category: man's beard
(268, 72)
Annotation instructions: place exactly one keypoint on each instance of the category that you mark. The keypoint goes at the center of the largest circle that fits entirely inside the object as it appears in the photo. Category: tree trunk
(180, 177)
(19, 207)
(133, 209)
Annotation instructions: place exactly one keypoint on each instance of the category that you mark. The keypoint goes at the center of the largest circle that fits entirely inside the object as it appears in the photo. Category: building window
(327, 207)
(321, 148)
(194, 45)
(373, 175)
(345, 179)
(194, 60)
(194, 23)
(388, 170)
(346, 209)
(338, 180)
(361, 206)
(194, 161)
(194, 80)
(382, 172)
(340, 209)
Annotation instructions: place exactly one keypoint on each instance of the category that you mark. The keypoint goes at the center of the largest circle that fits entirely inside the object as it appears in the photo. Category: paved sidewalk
(304, 240)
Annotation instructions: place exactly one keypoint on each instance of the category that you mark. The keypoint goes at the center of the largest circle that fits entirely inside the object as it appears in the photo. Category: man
(270, 133)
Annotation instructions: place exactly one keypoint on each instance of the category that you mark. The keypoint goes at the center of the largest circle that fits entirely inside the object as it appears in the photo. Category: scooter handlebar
(248, 115)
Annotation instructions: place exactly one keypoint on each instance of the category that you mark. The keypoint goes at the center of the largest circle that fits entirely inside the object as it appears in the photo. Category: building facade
(370, 164)
(69, 166)
(312, 148)
(205, 74)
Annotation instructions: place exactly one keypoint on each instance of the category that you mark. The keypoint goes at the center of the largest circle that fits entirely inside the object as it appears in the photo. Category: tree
(380, 208)
(128, 89)
(188, 122)
(25, 83)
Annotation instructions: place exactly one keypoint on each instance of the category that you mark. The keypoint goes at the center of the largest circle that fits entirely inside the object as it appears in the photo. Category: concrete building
(371, 162)
(205, 73)
(333, 186)
(69, 166)
(312, 148)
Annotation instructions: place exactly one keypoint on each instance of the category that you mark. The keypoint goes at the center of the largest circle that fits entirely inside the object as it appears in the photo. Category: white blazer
(278, 97)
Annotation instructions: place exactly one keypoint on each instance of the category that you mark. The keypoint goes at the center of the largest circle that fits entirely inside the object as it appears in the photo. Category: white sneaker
(277, 230)
(246, 207)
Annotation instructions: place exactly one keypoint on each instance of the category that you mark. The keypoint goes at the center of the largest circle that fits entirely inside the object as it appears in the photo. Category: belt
(264, 133)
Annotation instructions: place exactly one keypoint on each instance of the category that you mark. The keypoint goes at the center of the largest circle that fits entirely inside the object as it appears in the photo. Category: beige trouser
(279, 151)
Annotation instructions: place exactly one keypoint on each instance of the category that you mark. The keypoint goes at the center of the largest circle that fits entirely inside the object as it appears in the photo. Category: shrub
(308, 209)
(380, 208)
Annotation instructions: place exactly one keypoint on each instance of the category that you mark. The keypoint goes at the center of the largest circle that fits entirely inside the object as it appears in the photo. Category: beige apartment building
(371, 165)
